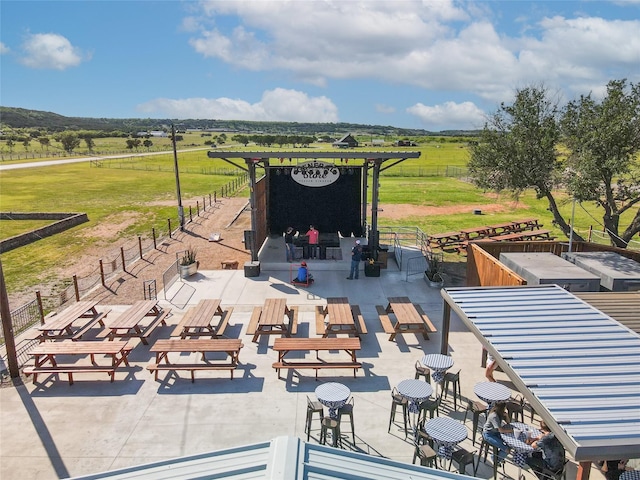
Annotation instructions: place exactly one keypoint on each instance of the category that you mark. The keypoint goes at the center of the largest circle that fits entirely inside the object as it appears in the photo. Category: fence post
(198, 207)
(590, 230)
(204, 203)
(140, 247)
(75, 287)
(102, 274)
(40, 309)
(124, 265)
(169, 221)
(215, 197)
(190, 214)
(209, 199)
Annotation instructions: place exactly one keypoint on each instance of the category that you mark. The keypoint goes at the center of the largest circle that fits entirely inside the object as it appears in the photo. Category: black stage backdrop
(331, 208)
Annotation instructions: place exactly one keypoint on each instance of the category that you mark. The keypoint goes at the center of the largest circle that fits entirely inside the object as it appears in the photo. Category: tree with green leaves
(90, 143)
(516, 149)
(147, 144)
(69, 140)
(44, 142)
(133, 143)
(603, 138)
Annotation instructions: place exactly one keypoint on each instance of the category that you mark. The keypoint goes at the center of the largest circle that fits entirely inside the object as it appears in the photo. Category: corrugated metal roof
(623, 307)
(578, 367)
(283, 458)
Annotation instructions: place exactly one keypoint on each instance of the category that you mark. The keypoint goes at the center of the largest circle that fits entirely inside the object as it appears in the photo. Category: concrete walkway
(54, 430)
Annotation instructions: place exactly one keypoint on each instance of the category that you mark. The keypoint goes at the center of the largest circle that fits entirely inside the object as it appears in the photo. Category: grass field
(137, 195)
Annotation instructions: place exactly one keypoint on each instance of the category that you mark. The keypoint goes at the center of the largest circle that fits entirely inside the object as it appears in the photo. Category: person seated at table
(303, 274)
(612, 469)
(495, 425)
(549, 452)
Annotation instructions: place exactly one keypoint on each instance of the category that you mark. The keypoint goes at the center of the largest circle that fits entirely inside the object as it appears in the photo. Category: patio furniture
(516, 440)
(462, 457)
(431, 406)
(409, 318)
(398, 400)
(446, 432)
(201, 320)
(347, 409)
(476, 408)
(60, 326)
(338, 316)
(313, 407)
(329, 424)
(452, 379)
(491, 392)
(422, 371)
(283, 346)
(332, 395)
(416, 392)
(515, 408)
(128, 324)
(270, 319)
(426, 454)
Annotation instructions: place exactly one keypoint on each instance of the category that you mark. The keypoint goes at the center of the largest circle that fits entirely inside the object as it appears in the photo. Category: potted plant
(188, 263)
(433, 274)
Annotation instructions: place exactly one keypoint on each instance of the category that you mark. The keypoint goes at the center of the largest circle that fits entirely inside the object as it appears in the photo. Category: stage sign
(315, 174)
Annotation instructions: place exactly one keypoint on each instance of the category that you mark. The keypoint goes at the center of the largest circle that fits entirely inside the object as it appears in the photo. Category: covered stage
(301, 188)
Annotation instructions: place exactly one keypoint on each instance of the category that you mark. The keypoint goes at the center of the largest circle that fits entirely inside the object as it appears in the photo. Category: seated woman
(614, 468)
(495, 425)
(303, 274)
(549, 452)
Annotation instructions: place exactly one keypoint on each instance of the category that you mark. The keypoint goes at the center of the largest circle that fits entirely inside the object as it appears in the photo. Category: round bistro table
(446, 432)
(521, 450)
(438, 364)
(492, 392)
(333, 396)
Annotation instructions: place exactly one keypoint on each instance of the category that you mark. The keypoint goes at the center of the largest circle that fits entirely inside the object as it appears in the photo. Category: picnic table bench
(270, 319)
(286, 345)
(410, 318)
(527, 235)
(128, 324)
(338, 316)
(199, 320)
(47, 358)
(60, 326)
(442, 240)
(163, 347)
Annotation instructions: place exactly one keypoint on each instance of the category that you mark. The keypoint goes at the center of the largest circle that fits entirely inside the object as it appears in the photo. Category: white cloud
(275, 105)
(465, 115)
(3, 48)
(50, 51)
(432, 44)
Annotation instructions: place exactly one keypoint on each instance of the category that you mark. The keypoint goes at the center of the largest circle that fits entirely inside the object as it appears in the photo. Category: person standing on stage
(313, 235)
(288, 243)
(356, 257)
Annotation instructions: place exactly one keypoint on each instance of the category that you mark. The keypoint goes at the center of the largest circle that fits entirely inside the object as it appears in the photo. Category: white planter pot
(434, 284)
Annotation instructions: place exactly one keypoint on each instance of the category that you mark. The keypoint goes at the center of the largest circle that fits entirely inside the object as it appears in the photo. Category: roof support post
(446, 324)
(251, 167)
(373, 234)
(584, 469)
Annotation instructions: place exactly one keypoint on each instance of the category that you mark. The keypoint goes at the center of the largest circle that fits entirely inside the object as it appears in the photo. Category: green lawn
(140, 194)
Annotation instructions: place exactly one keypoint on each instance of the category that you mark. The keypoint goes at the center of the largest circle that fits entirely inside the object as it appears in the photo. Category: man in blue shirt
(356, 257)
(303, 274)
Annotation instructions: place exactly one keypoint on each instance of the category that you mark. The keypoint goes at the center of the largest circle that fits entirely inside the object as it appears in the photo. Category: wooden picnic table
(60, 326)
(46, 358)
(475, 232)
(286, 345)
(526, 224)
(274, 317)
(501, 228)
(200, 320)
(163, 347)
(128, 324)
(528, 235)
(410, 318)
(338, 316)
(442, 240)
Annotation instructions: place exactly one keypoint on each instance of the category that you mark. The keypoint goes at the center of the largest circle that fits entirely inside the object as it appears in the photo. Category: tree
(44, 142)
(70, 141)
(517, 149)
(133, 143)
(603, 139)
(26, 143)
(243, 139)
(148, 144)
(90, 143)
(10, 145)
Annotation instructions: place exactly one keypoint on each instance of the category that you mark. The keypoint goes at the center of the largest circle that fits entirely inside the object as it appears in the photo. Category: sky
(429, 64)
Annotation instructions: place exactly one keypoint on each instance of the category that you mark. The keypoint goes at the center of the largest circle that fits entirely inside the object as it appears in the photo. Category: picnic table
(163, 347)
(527, 235)
(476, 232)
(128, 324)
(60, 326)
(527, 224)
(201, 320)
(409, 318)
(274, 317)
(338, 316)
(286, 345)
(47, 358)
(442, 240)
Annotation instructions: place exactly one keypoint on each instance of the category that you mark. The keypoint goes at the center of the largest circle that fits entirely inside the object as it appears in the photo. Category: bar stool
(454, 380)
(515, 409)
(462, 458)
(347, 409)
(334, 426)
(422, 371)
(428, 457)
(398, 400)
(484, 445)
(476, 408)
(312, 407)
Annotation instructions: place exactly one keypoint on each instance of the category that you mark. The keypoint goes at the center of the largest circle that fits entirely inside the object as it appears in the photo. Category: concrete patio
(54, 430)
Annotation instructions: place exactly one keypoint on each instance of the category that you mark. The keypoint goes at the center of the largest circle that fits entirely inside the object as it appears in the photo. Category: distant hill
(24, 118)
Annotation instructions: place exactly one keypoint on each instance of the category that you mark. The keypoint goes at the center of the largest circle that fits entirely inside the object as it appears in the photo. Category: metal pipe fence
(72, 290)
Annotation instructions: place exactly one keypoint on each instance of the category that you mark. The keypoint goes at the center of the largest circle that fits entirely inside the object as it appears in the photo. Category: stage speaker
(249, 239)
(251, 269)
